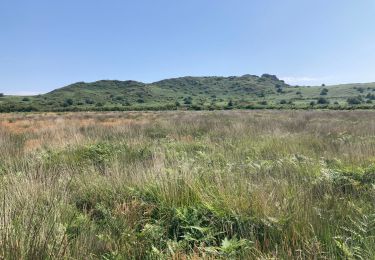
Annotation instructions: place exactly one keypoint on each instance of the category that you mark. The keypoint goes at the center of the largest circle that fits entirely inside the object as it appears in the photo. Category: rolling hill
(197, 93)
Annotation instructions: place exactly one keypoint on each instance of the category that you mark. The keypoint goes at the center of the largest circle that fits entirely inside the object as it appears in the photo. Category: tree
(230, 103)
(1, 94)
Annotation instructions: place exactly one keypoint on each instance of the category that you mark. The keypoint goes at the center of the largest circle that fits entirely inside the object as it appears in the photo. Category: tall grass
(188, 185)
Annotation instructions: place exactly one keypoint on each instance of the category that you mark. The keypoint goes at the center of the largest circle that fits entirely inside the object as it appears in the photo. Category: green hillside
(195, 93)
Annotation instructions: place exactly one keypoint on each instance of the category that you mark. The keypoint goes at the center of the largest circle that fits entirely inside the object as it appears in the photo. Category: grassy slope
(205, 93)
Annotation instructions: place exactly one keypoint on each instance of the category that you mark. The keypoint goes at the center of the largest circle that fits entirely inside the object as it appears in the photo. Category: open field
(188, 185)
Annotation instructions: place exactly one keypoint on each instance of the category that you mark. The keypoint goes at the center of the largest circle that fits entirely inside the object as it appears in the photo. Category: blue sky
(47, 44)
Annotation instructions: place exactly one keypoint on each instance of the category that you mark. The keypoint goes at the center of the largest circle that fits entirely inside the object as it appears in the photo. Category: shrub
(360, 89)
(68, 102)
(263, 103)
(188, 100)
(89, 101)
(322, 101)
(324, 92)
(370, 96)
(354, 100)
(196, 107)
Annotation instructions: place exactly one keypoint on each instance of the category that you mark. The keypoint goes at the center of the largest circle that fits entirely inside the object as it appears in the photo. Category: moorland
(188, 184)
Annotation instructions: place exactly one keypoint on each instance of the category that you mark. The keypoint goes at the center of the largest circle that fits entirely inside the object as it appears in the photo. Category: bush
(89, 101)
(354, 100)
(68, 102)
(282, 102)
(360, 89)
(324, 92)
(196, 107)
(188, 101)
(323, 101)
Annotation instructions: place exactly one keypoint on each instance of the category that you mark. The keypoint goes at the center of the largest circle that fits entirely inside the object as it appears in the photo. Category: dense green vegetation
(194, 93)
(188, 185)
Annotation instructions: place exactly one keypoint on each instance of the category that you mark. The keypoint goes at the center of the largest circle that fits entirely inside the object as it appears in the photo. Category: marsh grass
(188, 185)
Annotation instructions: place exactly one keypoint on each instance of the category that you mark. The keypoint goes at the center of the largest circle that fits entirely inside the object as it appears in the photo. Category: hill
(247, 91)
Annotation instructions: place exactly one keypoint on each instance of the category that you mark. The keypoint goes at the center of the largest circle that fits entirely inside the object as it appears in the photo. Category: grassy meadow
(188, 185)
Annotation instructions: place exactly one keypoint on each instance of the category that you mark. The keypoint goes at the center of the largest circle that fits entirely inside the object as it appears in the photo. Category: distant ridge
(196, 93)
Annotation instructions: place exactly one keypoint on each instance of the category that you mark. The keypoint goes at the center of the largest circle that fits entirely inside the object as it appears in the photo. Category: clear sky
(46, 44)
